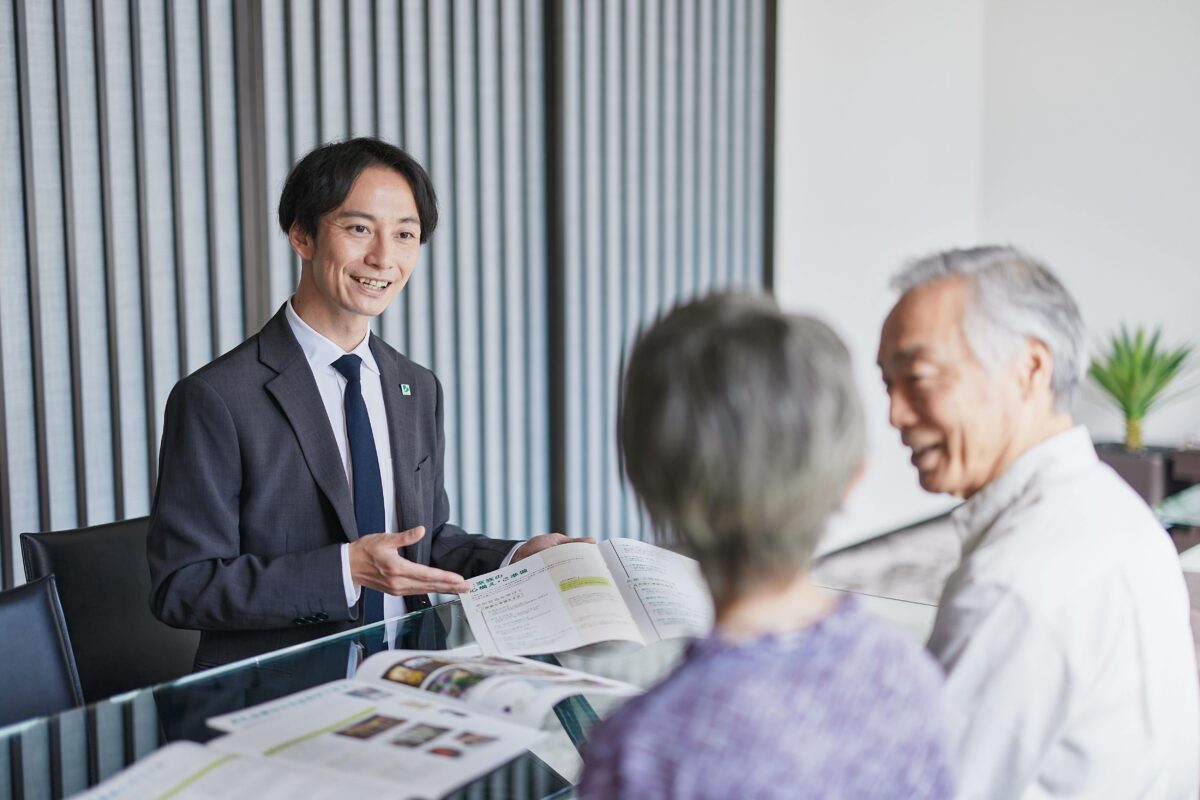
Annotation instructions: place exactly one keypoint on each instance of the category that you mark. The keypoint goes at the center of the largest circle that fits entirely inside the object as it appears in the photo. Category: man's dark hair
(321, 180)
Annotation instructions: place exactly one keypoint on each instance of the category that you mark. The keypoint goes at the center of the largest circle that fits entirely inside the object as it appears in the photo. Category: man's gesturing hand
(375, 562)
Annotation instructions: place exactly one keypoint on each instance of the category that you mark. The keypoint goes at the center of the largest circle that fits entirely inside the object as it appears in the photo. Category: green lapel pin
(405, 390)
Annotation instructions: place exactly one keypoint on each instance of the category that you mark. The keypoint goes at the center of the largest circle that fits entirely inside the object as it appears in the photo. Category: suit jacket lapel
(403, 436)
(296, 392)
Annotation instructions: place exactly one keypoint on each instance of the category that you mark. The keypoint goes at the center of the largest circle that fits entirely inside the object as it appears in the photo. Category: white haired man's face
(958, 419)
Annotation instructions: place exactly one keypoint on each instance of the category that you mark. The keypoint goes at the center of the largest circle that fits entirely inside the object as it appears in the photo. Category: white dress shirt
(1064, 633)
(321, 353)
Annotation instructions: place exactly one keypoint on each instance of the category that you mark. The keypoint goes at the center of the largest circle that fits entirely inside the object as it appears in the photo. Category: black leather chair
(37, 668)
(104, 583)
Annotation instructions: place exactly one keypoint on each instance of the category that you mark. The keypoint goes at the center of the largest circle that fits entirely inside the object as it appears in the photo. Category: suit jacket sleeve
(200, 576)
(453, 548)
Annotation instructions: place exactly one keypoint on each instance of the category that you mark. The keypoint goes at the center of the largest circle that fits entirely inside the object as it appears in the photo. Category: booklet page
(559, 599)
(505, 686)
(665, 591)
(412, 743)
(189, 771)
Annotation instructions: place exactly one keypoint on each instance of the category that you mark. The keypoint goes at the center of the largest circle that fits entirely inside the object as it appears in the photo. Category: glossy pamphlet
(410, 724)
(579, 594)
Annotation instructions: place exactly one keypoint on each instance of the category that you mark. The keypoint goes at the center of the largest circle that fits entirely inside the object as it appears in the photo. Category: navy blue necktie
(364, 461)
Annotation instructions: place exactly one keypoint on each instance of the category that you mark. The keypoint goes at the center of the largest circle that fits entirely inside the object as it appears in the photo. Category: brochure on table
(411, 724)
(579, 594)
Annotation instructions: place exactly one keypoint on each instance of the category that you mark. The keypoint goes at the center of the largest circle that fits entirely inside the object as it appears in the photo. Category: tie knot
(349, 365)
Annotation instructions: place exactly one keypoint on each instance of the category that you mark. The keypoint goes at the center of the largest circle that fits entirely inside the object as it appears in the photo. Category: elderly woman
(741, 431)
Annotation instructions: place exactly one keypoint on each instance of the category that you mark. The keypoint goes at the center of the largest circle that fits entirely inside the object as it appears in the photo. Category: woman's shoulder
(881, 651)
(848, 654)
(848, 687)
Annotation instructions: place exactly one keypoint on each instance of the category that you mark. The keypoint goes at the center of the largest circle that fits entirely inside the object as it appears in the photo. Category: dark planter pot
(1185, 467)
(1144, 470)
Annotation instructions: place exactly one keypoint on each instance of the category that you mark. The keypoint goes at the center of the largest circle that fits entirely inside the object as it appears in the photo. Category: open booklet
(578, 594)
(410, 724)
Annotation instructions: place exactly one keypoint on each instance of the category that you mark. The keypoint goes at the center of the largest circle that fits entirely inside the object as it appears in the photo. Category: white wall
(877, 158)
(1091, 160)
(1071, 129)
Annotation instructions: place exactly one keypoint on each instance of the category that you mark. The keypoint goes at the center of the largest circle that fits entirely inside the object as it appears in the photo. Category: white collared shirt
(320, 353)
(1065, 635)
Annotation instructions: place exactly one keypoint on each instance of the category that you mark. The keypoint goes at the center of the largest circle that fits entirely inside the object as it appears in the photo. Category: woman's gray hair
(740, 430)
(1011, 298)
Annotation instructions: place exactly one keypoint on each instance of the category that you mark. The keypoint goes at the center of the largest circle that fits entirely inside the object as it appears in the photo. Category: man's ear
(1036, 368)
(301, 242)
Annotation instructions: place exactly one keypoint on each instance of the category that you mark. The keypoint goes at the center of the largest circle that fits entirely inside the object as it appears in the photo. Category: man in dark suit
(287, 463)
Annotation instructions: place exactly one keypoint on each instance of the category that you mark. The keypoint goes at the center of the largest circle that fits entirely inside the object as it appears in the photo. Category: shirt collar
(320, 351)
(1064, 452)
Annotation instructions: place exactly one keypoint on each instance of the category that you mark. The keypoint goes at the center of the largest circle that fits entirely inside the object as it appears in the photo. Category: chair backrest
(37, 667)
(104, 582)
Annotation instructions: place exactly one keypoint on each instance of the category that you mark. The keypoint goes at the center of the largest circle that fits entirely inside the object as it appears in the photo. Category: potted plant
(1135, 372)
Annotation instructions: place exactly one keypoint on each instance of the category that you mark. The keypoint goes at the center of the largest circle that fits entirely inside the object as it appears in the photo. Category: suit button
(322, 617)
(298, 621)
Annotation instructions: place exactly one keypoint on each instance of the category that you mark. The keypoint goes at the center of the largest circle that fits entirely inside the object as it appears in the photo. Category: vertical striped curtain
(120, 244)
(663, 199)
(596, 161)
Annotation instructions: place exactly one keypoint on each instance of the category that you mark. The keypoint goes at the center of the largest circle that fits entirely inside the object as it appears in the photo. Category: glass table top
(1180, 509)
(63, 754)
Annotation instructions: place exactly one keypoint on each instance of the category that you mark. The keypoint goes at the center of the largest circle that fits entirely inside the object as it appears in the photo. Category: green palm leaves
(1135, 372)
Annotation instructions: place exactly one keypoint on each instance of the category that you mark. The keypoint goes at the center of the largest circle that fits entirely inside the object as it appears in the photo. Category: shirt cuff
(347, 583)
(508, 558)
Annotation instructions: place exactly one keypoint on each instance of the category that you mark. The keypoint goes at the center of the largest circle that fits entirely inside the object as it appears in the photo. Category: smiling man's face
(363, 254)
(957, 418)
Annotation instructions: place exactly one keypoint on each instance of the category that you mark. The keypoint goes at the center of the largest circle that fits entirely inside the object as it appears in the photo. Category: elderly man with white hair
(1064, 630)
